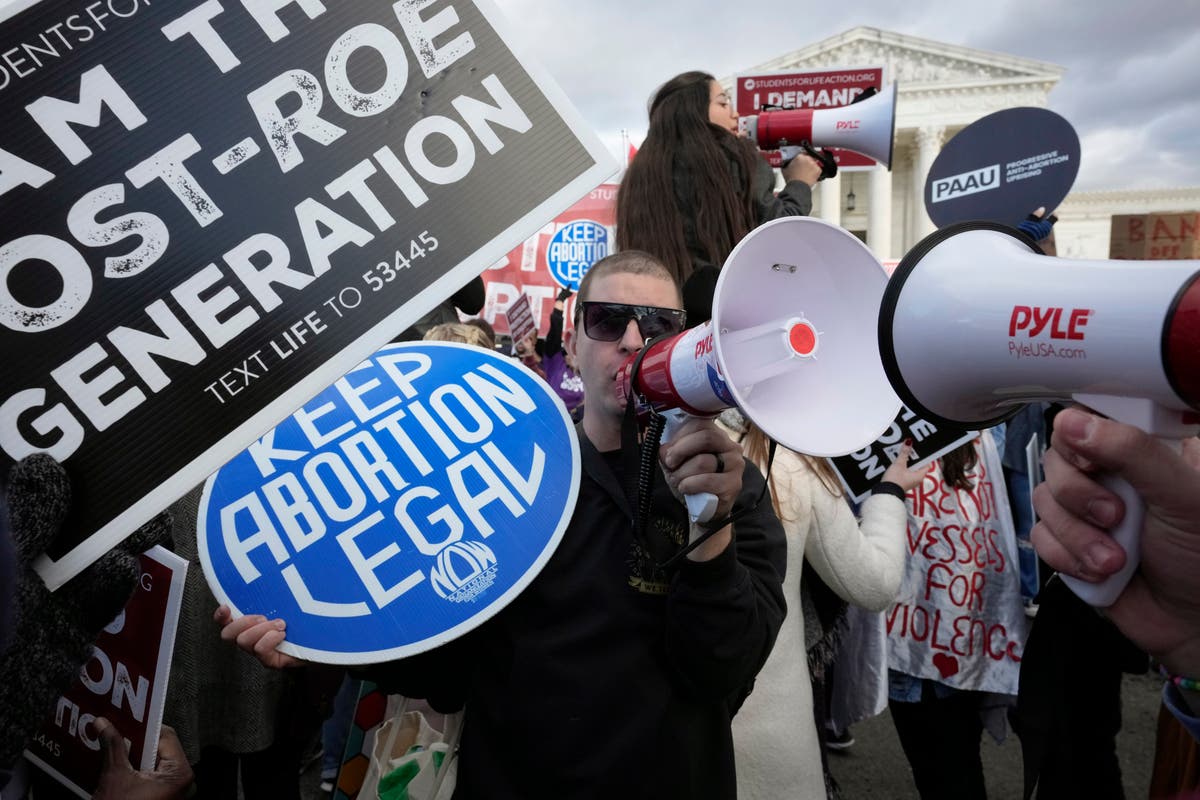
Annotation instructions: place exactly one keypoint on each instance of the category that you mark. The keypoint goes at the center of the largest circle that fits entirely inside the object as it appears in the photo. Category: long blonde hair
(757, 445)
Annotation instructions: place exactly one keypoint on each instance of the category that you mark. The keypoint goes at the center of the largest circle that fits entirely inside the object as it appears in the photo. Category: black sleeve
(469, 299)
(554, 335)
(723, 615)
(441, 676)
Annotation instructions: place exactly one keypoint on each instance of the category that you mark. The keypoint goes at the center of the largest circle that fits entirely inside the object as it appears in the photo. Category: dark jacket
(469, 300)
(605, 678)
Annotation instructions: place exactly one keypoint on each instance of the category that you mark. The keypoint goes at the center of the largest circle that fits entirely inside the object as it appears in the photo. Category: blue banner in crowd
(574, 248)
(398, 509)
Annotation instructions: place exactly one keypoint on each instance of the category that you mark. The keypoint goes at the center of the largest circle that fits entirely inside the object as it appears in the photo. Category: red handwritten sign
(124, 681)
(959, 617)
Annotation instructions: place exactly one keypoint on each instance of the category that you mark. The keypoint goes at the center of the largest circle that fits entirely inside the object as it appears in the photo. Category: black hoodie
(606, 678)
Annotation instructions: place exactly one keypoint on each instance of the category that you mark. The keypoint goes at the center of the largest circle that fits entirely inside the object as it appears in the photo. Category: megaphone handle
(701, 507)
(1129, 535)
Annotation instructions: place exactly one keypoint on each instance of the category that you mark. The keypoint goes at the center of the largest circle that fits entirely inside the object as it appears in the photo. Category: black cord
(640, 456)
(729, 519)
(647, 472)
(641, 488)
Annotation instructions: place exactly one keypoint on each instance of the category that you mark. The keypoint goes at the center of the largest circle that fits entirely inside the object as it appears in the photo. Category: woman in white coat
(775, 735)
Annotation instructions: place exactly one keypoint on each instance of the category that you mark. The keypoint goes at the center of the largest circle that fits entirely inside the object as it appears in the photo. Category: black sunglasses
(607, 322)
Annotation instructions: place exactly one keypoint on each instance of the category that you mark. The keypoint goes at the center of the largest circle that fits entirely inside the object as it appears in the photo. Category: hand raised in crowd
(900, 474)
(171, 777)
(803, 168)
(1160, 608)
(256, 635)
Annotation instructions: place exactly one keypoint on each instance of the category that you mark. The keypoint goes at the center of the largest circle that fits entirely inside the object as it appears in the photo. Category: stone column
(879, 213)
(829, 192)
(929, 142)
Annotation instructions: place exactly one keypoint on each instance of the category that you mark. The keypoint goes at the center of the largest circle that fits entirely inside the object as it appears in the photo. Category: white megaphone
(867, 126)
(791, 343)
(976, 321)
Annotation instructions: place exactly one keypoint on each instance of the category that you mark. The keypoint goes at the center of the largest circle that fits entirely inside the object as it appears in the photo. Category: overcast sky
(1130, 87)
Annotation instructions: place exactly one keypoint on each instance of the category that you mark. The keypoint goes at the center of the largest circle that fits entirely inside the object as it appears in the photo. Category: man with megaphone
(610, 675)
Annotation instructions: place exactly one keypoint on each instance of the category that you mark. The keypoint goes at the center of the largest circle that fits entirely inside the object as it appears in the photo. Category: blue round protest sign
(1002, 167)
(574, 248)
(398, 509)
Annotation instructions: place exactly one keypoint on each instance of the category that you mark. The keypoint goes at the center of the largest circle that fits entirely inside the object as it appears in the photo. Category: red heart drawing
(946, 665)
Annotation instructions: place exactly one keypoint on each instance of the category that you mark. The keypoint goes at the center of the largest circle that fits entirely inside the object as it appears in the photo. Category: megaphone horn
(867, 127)
(787, 343)
(976, 321)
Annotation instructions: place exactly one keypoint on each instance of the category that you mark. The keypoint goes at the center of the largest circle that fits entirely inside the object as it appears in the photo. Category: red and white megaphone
(867, 126)
(791, 343)
(976, 321)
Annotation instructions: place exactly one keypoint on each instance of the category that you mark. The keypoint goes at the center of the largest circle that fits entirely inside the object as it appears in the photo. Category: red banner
(125, 681)
(557, 256)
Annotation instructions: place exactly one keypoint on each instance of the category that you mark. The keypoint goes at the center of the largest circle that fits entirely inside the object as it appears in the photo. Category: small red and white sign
(810, 89)
(520, 318)
(125, 681)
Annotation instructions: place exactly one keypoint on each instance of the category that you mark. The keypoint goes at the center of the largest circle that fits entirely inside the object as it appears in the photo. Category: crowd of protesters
(621, 673)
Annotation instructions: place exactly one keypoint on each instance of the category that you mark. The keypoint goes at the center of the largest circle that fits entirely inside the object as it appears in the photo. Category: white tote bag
(412, 759)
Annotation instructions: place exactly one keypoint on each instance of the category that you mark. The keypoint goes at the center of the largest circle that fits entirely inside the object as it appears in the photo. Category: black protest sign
(211, 211)
(862, 470)
(1002, 167)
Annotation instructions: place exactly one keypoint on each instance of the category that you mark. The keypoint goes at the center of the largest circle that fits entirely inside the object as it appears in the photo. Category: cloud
(1127, 88)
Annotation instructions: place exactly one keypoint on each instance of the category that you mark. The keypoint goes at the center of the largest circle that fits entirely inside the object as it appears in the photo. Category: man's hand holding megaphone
(700, 459)
(1159, 609)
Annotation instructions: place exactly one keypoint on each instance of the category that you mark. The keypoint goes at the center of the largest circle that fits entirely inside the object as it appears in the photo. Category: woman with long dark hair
(695, 188)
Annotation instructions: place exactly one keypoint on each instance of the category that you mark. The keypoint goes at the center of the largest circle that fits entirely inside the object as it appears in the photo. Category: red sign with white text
(527, 269)
(813, 88)
(125, 681)
(519, 318)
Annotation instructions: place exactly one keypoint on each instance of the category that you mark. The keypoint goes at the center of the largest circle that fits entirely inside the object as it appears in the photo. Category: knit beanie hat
(55, 631)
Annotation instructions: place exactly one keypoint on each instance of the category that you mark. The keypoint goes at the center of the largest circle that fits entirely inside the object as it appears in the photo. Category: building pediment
(912, 61)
